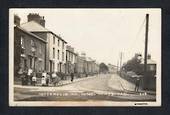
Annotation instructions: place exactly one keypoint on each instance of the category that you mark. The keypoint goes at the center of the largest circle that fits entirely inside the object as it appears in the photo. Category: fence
(146, 83)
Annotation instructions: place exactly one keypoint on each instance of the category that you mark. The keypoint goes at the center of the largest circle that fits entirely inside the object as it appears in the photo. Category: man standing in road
(137, 84)
(72, 77)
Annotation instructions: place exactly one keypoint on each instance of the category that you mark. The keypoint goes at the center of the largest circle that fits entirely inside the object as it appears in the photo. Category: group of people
(29, 77)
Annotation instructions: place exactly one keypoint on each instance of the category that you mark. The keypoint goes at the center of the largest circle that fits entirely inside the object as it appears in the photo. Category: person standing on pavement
(34, 79)
(47, 79)
(43, 81)
(29, 76)
(44, 74)
(72, 77)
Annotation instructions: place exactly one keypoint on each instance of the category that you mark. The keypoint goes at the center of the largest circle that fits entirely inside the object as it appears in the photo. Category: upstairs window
(33, 46)
(63, 56)
(53, 39)
(71, 57)
(32, 43)
(58, 54)
(66, 56)
(58, 42)
(53, 52)
(63, 45)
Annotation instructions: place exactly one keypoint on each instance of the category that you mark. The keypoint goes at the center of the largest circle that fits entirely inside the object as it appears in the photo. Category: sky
(103, 33)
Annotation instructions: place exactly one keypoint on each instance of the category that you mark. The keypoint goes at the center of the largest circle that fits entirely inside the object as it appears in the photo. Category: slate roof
(33, 26)
(29, 33)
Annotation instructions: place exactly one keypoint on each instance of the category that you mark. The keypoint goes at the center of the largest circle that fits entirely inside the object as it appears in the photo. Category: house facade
(151, 66)
(55, 47)
(29, 50)
(71, 60)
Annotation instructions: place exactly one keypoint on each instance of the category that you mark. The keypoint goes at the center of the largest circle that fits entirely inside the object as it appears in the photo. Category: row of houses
(40, 49)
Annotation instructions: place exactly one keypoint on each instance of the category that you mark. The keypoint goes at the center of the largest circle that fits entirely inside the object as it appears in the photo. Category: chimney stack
(17, 20)
(36, 17)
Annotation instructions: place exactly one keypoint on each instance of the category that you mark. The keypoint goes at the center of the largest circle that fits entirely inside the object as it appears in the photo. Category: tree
(134, 64)
(103, 68)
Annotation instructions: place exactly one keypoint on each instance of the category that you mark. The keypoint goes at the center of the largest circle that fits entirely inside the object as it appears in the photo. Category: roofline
(51, 33)
(46, 31)
(30, 34)
(58, 37)
(71, 52)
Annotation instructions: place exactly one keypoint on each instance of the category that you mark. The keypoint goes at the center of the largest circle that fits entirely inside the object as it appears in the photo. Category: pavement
(61, 83)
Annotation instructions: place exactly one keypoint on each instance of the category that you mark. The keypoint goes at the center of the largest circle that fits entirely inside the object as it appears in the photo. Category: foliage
(134, 65)
(103, 68)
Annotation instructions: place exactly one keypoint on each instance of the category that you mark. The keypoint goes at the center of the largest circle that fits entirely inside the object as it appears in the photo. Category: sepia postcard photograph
(85, 57)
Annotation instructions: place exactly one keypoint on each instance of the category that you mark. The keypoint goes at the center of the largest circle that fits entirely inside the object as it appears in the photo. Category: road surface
(106, 87)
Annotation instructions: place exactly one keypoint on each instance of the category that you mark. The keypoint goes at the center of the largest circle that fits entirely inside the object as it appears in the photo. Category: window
(58, 42)
(33, 46)
(63, 56)
(152, 68)
(40, 49)
(71, 57)
(63, 45)
(66, 56)
(53, 52)
(22, 42)
(53, 66)
(32, 43)
(58, 54)
(31, 61)
(58, 66)
(53, 39)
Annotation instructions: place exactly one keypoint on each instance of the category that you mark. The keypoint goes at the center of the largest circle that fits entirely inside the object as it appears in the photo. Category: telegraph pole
(146, 52)
(120, 61)
(117, 66)
(146, 45)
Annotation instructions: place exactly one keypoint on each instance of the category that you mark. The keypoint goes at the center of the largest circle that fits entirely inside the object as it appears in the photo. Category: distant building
(86, 65)
(29, 49)
(112, 68)
(90, 65)
(71, 60)
(149, 78)
(81, 65)
(151, 66)
(55, 47)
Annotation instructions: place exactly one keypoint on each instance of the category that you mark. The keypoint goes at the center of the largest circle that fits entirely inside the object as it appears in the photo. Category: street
(103, 87)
